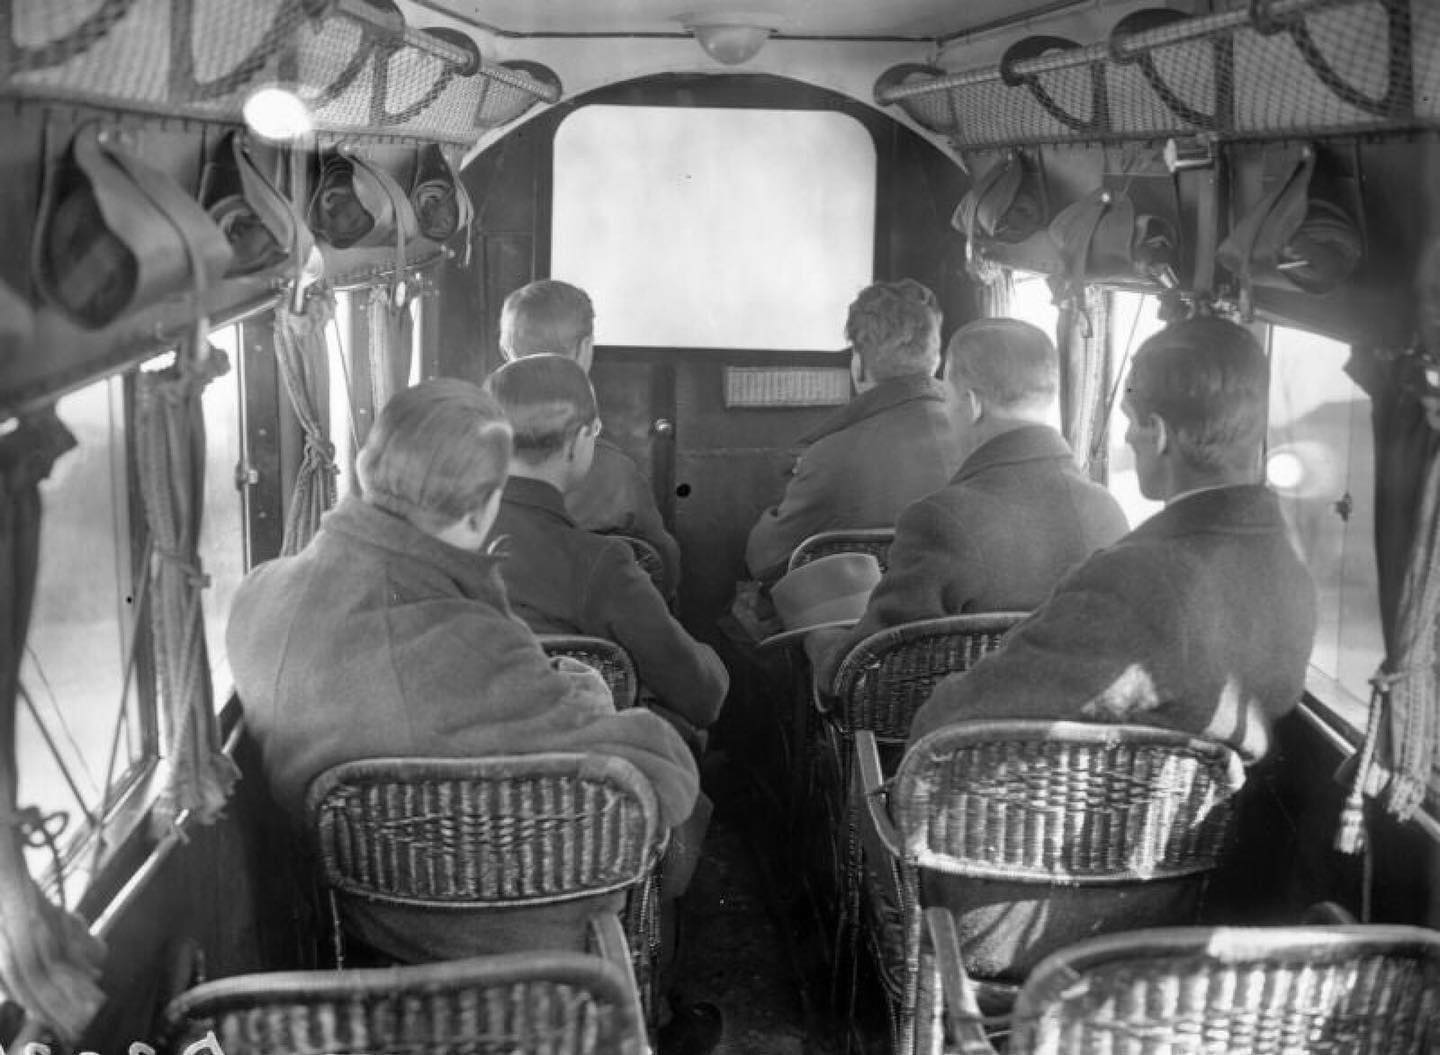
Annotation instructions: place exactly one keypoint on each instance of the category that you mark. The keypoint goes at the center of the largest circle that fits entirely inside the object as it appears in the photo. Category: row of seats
(1030, 873)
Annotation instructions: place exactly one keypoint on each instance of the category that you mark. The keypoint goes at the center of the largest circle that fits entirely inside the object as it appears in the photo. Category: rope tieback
(38, 830)
(192, 572)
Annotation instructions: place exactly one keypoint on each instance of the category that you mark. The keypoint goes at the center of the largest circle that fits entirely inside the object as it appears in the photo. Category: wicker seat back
(648, 557)
(555, 1003)
(472, 833)
(609, 658)
(1065, 802)
(885, 678)
(1348, 990)
(874, 541)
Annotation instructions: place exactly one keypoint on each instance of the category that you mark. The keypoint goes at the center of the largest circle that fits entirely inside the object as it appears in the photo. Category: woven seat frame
(499, 832)
(1050, 803)
(606, 656)
(1335, 990)
(874, 541)
(551, 1003)
(880, 684)
(884, 679)
(647, 556)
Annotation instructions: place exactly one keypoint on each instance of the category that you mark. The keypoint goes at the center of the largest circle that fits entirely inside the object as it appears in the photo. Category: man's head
(438, 455)
(1196, 403)
(552, 412)
(548, 317)
(894, 329)
(1005, 373)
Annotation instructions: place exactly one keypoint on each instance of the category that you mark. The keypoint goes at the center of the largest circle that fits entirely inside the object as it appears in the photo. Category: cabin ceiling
(920, 19)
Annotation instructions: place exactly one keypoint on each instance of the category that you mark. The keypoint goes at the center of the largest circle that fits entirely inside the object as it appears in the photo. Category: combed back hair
(436, 453)
(895, 329)
(547, 317)
(1006, 361)
(1208, 380)
(547, 398)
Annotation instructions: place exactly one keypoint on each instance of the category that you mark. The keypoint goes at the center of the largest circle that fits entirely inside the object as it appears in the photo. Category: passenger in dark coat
(390, 635)
(1202, 618)
(893, 443)
(1017, 516)
(564, 580)
(550, 317)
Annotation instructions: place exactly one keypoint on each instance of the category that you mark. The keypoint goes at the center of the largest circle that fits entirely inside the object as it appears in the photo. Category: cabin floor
(751, 941)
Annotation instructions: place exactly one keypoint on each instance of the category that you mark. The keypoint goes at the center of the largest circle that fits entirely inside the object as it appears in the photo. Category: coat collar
(474, 573)
(882, 397)
(537, 495)
(1029, 443)
(1242, 509)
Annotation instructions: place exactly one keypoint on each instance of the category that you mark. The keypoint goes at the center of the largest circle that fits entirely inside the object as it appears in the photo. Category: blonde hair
(436, 453)
(547, 317)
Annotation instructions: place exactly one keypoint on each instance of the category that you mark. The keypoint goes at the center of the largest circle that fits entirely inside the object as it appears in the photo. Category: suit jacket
(379, 640)
(1017, 516)
(1200, 620)
(868, 461)
(615, 498)
(562, 580)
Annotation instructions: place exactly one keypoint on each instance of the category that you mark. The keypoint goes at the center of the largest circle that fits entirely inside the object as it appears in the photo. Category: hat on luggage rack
(828, 591)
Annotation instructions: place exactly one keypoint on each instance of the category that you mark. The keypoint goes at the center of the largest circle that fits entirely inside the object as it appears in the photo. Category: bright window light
(277, 114)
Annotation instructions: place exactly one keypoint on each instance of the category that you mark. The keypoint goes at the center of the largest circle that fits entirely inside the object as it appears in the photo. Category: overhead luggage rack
(355, 63)
(1270, 67)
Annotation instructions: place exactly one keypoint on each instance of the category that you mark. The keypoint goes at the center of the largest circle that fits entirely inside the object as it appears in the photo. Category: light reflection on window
(222, 526)
(81, 625)
(1321, 463)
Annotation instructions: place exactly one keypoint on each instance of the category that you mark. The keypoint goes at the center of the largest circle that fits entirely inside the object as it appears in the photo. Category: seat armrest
(607, 940)
(872, 789)
(962, 1011)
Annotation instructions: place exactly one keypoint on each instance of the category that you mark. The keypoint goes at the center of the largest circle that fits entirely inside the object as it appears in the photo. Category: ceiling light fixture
(277, 114)
(728, 39)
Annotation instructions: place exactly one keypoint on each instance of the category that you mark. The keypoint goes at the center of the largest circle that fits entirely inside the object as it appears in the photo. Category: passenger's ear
(585, 352)
(977, 408)
(1162, 433)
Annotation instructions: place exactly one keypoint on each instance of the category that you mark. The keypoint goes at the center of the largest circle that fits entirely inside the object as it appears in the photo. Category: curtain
(1402, 740)
(49, 963)
(1081, 342)
(303, 358)
(391, 332)
(997, 293)
(170, 451)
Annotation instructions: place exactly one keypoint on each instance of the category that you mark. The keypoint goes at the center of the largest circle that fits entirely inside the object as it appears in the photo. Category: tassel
(1350, 839)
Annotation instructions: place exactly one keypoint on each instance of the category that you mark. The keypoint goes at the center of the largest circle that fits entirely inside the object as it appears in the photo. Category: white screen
(715, 228)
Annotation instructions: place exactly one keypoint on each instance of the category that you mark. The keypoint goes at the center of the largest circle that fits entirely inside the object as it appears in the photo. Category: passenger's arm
(804, 509)
(1103, 648)
(520, 704)
(688, 676)
(933, 570)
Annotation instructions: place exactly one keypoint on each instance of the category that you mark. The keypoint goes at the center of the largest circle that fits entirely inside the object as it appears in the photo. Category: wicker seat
(1036, 834)
(609, 658)
(647, 556)
(879, 685)
(1345, 990)
(505, 831)
(875, 541)
(553, 1003)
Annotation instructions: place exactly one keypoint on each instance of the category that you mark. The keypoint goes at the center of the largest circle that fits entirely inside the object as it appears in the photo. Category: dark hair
(547, 398)
(435, 453)
(1208, 380)
(1005, 360)
(547, 317)
(895, 329)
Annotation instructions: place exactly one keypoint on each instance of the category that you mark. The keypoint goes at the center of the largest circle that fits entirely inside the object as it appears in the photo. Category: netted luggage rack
(355, 63)
(1270, 67)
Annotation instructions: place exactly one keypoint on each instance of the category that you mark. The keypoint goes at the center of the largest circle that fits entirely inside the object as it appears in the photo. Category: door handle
(662, 427)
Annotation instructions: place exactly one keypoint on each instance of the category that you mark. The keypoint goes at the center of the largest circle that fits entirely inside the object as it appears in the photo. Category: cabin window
(1321, 462)
(1133, 318)
(715, 228)
(1032, 301)
(222, 527)
(73, 673)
